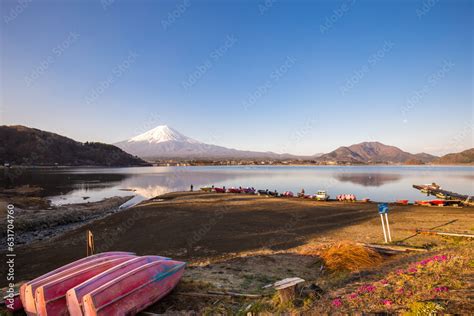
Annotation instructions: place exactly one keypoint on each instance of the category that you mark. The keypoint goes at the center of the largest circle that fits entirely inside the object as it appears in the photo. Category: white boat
(322, 195)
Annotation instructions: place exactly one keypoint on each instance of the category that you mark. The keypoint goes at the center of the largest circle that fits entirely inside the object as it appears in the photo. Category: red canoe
(219, 190)
(423, 202)
(234, 190)
(135, 290)
(50, 298)
(32, 310)
(403, 202)
(74, 296)
(438, 202)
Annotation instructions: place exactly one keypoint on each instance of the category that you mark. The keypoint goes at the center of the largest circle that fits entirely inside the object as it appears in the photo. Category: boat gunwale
(168, 273)
(119, 266)
(75, 274)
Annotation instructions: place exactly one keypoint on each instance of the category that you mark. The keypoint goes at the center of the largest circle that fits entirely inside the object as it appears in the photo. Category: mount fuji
(165, 142)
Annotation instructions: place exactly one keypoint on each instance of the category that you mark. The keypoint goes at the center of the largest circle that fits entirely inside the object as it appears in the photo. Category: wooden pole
(235, 294)
(388, 228)
(397, 248)
(383, 228)
(90, 243)
(445, 233)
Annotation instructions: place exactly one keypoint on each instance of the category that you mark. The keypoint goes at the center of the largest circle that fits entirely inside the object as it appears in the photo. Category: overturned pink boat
(27, 290)
(74, 296)
(135, 290)
(67, 266)
(50, 298)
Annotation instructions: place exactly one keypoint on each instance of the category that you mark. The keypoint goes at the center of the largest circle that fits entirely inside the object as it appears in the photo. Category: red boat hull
(438, 202)
(423, 202)
(135, 290)
(50, 298)
(27, 290)
(234, 190)
(74, 296)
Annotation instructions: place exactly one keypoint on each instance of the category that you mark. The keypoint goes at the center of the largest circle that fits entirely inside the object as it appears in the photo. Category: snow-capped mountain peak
(160, 134)
(164, 142)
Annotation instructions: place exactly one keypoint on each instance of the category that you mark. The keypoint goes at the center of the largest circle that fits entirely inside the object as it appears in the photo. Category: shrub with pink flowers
(337, 302)
(430, 278)
(387, 302)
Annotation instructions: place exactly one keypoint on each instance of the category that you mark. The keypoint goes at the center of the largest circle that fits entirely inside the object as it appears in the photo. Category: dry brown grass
(348, 256)
(310, 249)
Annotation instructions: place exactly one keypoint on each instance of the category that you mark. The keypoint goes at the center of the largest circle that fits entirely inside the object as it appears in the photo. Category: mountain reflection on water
(368, 179)
(59, 183)
(379, 183)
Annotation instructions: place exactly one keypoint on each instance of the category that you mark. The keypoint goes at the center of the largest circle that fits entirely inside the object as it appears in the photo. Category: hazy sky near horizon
(287, 76)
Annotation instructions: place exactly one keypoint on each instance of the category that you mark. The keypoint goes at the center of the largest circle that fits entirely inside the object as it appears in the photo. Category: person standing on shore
(192, 187)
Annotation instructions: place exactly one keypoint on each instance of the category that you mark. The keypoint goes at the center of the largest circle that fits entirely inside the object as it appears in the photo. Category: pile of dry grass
(310, 249)
(348, 256)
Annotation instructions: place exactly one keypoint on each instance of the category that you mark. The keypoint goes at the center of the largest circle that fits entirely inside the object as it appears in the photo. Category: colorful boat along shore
(445, 198)
(109, 283)
(448, 196)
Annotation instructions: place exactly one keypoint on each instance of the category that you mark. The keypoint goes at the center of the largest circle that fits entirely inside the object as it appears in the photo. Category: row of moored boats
(320, 195)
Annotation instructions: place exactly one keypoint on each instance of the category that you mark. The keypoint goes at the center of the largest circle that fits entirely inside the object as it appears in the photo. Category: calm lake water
(379, 183)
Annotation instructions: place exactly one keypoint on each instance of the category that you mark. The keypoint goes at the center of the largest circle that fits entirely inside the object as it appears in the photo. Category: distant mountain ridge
(374, 152)
(463, 157)
(21, 145)
(164, 142)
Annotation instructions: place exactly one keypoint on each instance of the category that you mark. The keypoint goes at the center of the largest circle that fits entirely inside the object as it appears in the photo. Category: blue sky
(287, 76)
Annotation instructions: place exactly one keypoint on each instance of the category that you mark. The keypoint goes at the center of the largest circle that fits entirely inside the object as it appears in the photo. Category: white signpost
(383, 209)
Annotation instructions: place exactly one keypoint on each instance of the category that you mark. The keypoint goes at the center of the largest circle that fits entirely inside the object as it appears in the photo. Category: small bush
(348, 256)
